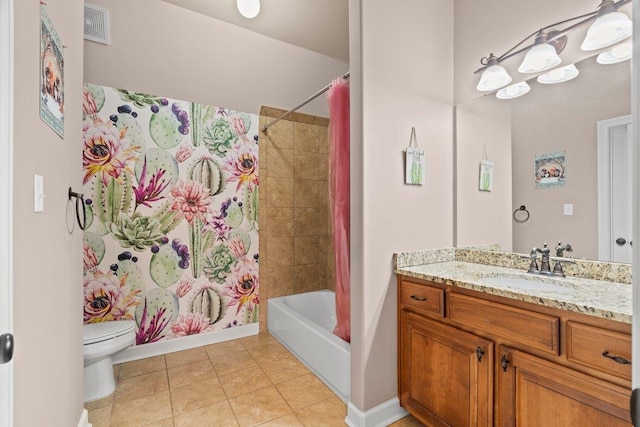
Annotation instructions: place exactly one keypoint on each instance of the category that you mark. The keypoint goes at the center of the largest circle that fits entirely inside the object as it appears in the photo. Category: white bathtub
(304, 324)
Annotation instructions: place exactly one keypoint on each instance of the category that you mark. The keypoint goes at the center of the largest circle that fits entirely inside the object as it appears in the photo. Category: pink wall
(406, 64)
(47, 260)
(157, 47)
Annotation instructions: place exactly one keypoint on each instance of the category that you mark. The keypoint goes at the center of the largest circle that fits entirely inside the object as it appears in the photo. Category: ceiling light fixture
(619, 53)
(608, 26)
(559, 75)
(249, 8)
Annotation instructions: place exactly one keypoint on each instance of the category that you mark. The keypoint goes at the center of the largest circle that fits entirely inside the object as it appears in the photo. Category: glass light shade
(249, 8)
(559, 75)
(619, 53)
(607, 30)
(513, 91)
(540, 57)
(494, 77)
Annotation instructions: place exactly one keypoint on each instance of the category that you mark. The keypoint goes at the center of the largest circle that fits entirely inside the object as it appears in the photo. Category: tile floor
(251, 381)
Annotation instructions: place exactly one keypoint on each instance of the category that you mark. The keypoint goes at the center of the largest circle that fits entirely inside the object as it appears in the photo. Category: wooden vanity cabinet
(468, 359)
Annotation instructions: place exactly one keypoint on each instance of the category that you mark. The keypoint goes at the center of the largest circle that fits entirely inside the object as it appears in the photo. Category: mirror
(558, 118)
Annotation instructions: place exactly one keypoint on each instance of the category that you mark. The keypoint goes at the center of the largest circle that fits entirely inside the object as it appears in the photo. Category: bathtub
(304, 324)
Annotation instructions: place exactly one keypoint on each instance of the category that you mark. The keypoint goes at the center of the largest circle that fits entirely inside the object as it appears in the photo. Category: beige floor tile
(269, 353)
(197, 395)
(303, 391)
(259, 406)
(257, 340)
(191, 373)
(164, 423)
(327, 413)
(284, 369)
(100, 417)
(244, 381)
(100, 403)
(216, 415)
(408, 421)
(233, 362)
(142, 366)
(116, 372)
(141, 385)
(287, 421)
(141, 411)
(185, 357)
(223, 348)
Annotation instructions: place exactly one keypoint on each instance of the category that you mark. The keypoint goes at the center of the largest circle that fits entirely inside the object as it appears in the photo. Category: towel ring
(521, 214)
(79, 201)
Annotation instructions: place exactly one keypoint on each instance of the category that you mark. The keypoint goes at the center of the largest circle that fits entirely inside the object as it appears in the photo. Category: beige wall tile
(323, 196)
(281, 282)
(306, 250)
(280, 251)
(323, 140)
(280, 193)
(307, 279)
(323, 167)
(279, 135)
(306, 165)
(306, 222)
(305, 137)
(302, 118)
(280, 222)
(281, 162)
(306, 194)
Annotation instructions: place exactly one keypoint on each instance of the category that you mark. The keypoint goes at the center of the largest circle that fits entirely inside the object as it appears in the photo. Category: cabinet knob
(504, 363)
(479, 354)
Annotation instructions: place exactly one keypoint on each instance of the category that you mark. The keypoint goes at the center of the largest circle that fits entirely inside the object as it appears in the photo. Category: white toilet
(101, 342)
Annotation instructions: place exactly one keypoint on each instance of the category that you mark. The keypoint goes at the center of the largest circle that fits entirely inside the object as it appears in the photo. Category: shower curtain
(338, 98)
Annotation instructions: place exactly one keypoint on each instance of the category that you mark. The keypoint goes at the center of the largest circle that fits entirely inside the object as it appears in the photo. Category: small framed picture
(51, 75)
(485, 183)
(550, 170)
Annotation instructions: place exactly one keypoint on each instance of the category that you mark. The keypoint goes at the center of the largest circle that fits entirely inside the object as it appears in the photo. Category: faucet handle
(557, 268)
(533, 266)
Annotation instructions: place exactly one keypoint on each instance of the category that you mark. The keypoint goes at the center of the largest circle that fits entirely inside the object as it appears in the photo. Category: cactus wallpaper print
(171, 195)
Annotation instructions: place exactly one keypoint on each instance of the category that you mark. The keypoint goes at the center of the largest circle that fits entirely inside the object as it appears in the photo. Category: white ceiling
(318, 25)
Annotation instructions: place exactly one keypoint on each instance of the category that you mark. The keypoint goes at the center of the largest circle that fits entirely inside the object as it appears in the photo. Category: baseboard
(84, 419)
(185, 343)
(379, 416)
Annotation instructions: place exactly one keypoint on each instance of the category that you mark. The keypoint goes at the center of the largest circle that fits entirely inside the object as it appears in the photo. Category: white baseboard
(84, 419)
(379, 416)
(185, 343)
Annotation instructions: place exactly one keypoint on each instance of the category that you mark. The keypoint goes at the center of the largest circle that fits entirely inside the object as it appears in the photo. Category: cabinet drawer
(533, 329)
(587, 345)
(422, 297)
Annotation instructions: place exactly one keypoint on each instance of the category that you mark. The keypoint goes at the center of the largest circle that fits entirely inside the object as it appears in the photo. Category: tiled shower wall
(296, 245)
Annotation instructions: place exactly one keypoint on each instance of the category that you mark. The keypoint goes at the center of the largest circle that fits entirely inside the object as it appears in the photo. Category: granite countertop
(599, 298)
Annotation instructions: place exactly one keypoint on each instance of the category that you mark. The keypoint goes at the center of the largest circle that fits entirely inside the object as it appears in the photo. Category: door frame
(6, 203)
(635, 109)
(605, 129)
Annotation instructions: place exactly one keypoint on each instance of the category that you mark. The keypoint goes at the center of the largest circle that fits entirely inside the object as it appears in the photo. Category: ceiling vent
(96, 24)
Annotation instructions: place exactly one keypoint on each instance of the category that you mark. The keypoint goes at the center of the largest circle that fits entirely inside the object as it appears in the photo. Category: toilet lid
(96, 332)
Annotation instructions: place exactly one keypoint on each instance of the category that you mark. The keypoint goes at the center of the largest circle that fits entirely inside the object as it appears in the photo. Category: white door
(615, 167)
(6, 207)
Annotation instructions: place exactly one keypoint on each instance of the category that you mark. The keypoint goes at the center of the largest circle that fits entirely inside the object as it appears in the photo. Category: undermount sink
(535, 282)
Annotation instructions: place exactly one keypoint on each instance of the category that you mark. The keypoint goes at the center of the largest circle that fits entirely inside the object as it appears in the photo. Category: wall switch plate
(568, 208)
(38, 193)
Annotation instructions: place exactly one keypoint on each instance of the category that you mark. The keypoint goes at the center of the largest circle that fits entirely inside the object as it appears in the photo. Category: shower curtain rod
(305, 102)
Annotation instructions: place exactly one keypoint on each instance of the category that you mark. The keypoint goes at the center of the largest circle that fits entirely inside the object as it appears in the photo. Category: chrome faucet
(545, 268)
(560, 249)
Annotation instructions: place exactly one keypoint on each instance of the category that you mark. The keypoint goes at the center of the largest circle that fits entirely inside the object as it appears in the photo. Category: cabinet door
(445, 374)
(536, 392)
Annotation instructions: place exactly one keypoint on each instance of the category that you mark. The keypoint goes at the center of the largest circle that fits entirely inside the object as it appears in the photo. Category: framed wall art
(51, 75)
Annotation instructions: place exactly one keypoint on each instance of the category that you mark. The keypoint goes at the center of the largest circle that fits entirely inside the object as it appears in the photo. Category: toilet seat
(103, 331)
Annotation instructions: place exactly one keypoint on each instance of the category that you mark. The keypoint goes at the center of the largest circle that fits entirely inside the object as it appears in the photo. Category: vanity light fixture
(249, 8)
(619, 53)
(494, 76)
(559, 75)
(608, 26)
(513, 91)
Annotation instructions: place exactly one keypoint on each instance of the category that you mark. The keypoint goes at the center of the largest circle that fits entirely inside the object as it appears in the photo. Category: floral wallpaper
(171, 198)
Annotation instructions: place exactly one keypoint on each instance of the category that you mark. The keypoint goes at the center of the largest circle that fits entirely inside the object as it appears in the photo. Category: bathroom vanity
(482, 343)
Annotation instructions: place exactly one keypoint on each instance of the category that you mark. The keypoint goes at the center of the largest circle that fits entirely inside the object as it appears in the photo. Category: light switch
(568, 208)
(38, 193)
